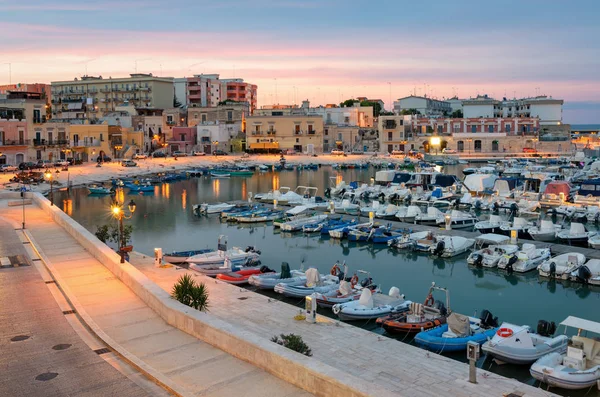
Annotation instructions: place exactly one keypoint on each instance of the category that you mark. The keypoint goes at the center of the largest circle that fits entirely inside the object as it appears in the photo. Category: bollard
(473, 356)
(158, 255)
(514, 236)
(331, 207)
(448, 220)
(311, 309)
(249, 197)
(274, 204)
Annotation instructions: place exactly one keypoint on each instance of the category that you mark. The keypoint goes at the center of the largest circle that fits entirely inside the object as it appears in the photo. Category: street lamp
(469, 140)
(119, 213)
(50, 178)
(436, 142)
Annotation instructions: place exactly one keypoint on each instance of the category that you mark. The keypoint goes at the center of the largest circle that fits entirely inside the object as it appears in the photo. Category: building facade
(395, 132)
(208, 90)
(300, 133)
(547, 109)
(89, 98)
(425, 106)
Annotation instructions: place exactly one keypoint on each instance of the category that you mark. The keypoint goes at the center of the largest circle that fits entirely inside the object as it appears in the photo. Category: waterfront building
(14, 140)
(90, 141)
(547, 109)
(395, 132)
(87, 99)
(150, 122)
(426, 106)
(183, 139)
(299, 133)
(208, 90)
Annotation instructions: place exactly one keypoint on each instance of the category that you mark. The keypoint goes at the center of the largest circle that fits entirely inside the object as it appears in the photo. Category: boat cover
(434, 212)
(366, 299)
(345, 288)
(519, 222)
(492, 238)
(495, 219)
(285, 271)
(312, 277)
(557, 187)
(580, 323)
(546, 226)
(529, 250)
(459, 324)
(394, 292)
(413, 210)
(479, 182)
(577, 229)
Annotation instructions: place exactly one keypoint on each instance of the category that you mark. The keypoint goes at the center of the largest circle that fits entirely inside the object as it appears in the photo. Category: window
(346, 120)
(491, 128)
(473, 128)
(478, 145)
(229, 115)
(38, 154)
(310, 129)
(195, 115)
(507, 127)
(339, 136)
(101, 137)
(325, 141)
(460, 146)
(169, 119)
(297, 129)
(297, 140)
(182, 137)
(390, 124)
(257, 129)
(390, 135)
(279, 113)
(494, 146)
(204, 118)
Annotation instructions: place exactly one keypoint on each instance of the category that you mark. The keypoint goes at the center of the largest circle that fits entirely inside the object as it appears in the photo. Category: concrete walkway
(194, 366)
(396, 366)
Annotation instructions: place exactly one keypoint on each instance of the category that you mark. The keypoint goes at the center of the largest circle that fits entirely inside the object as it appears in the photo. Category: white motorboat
(347, 291)
(490, 248)
(431, 217)
(425, 244)
(236, 256)
(518, 344)
(588, 273)
(408, 214)
(371, 306)
(545, 232)
(263, 167)
(579, 368)
(297, 224)
(459, 220)
(346, 207)
(314, 284)
(449, 246)
(492, 225)
(227, 267)
(205, 208)
(408, 240)
(527, 259)
(575, 235)
(520, 225)
(561, 266)
(594, 241)
(388, 212)
(270, 280)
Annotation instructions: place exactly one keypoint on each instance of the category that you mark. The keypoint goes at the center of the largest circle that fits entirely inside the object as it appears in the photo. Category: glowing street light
(50, 178)
(119, 213)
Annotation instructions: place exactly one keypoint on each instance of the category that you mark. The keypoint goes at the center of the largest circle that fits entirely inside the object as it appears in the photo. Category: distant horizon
(324, 51)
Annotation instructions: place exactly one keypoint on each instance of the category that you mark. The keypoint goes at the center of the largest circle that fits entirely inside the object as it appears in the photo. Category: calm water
(164, 219)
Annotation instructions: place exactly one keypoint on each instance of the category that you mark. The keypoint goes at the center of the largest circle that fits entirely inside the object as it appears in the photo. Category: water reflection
(184, 199)
(68, 207)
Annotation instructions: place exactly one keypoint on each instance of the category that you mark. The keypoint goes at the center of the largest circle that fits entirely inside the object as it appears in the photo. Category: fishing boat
(382, 235)
(235, 255)
(419, 317)
(333, 224)
(362, 233)
(371, 306)
(449, 246)
(314, 284)
(285, 276)
(545, 232)
(264, 168)
(518, 344)
(260, 216)
(576, 235)
(458, 331)
(179, 257)
(579, 367)
(139, 188)
(408, 240)
(98, 189)
(241, 171)
(241, 276)
(206, 208)
(524, 260)
(489, 249)
(561, 266)
(220, 174)
(342, 232)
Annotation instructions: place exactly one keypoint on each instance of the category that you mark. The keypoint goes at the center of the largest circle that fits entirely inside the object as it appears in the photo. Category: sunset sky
(324, 51)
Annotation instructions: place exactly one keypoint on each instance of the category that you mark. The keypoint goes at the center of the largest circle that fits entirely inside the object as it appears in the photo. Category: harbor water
(164, 219)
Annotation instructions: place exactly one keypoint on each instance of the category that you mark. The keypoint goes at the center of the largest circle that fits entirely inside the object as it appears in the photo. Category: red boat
(242, 276)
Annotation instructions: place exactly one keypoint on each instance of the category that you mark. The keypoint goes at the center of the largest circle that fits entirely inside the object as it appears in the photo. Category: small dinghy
(492, 225)
(576, 235)
(179, 257)
(348, 291)
(270, 280)
(588, 273)
(371, 306)
(419, 317)
(449, 246)
(491, 248)
(518, 344)
(215, 269)
(98, 190)
(241, 276)
(408, 240)
(457, 332)
(579, 368)
(561, 266)
(525, 260)
(594, 241)
(545, 232)
(205, 208)
(314, 284)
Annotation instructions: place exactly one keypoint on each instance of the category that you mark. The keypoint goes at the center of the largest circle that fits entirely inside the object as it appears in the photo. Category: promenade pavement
(196, 367)
(42, 355)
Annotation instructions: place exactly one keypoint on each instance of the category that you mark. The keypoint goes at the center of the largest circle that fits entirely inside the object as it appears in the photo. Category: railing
(18, 142)
(297, 132)
(40, 120)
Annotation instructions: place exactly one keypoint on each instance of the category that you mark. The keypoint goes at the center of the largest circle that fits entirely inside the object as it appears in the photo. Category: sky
(325, 51)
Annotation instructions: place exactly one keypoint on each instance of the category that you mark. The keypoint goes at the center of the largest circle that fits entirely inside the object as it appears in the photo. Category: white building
(481, 107)
(214, 135)
(355, 116)
(426, 106)
(547, 109)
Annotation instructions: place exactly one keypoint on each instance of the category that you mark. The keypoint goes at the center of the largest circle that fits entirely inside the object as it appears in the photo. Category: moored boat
(285, 276)
(561, 266)
(314, 283)
(526, 259)
(98, 189)
(241, 276)
(371, 306)
(179, 257)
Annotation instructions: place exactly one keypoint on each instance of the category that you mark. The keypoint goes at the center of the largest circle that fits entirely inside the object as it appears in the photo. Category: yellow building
(299, 133)
(89, 98)
(90, 141)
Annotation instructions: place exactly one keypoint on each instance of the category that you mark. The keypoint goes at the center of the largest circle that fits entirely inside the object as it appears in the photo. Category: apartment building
(89, 98)
(90, 141)
(219, 127)
(547, 109)
(37, 88)
(300, 133)
(208, 90)
(425, 106)
(395, 133)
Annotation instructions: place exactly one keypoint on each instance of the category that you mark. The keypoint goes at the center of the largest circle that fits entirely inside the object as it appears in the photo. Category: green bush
(188, 292)
(293, 342)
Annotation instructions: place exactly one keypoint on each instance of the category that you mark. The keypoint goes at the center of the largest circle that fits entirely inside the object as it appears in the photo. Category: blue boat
(139, 188)
(440, 341)
(384, 234)
(336, 224)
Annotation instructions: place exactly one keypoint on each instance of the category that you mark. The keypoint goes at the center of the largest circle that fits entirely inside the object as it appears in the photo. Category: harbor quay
(227, 350)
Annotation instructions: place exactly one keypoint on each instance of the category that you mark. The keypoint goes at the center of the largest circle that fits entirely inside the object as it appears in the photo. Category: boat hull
(433, 340)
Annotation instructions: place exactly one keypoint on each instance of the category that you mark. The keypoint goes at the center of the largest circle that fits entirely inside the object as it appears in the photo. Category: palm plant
(190, 294)
(293, 342)
(199, 297)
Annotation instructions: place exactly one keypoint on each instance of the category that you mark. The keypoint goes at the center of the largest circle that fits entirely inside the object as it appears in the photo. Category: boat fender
(354, 281)
(504, 332)
(429, 301)
(335, 309)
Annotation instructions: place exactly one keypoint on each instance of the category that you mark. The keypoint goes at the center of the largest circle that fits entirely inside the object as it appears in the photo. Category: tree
(348, 103)
(176, 103)
(376, 107)
(412, 111)
(457, 114)
(110, 233)
(226, 101)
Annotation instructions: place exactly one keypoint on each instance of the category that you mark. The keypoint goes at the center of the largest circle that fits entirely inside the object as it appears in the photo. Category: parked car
(62, 163)
(44, 163)
(529, 150)
(28, 165)
(195, 153)
(179, 154)
(128, 163)
(8, 168)
(104, 159)
(220, 152)
(159, 154)
(448, 151)
(140, 156)
(336, 152)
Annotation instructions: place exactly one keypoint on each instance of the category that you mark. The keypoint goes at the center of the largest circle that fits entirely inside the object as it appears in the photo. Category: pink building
(207, 90)
(39, 88)
(239, 91)
(13, 141)
(183, 139)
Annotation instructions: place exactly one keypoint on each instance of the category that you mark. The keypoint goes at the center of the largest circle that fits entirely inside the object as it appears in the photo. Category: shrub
(190, 294)
(293, 342)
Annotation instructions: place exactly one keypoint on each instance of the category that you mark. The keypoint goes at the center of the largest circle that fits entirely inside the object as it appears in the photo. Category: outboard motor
(342, 192)
(441, 307)
(478, 260)
(328, 192)
(584, 274)
(477, 205)
(488, 320)
(545, 328)
(381, 196)
(266, 269)
(552, 269)
(366, 282)
(456, 203)
(439, 248)
(514, 209)
(249, 248)
(511, 261)
(495, 206)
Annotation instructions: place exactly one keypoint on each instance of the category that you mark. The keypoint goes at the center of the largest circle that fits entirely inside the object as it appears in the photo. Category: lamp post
(119, 213)
(469, 140)
(535, 145)
(50, 178)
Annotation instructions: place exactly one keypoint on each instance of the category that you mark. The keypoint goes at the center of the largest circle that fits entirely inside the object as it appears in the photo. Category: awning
(580, 323)
(264, 145)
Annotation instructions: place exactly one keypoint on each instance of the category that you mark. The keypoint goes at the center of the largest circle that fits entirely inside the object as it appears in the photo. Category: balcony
(311, 132)
(39, 120)
(49, 142)
(271, 132)
(297, 132)
(105, 90)
(18, 142)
